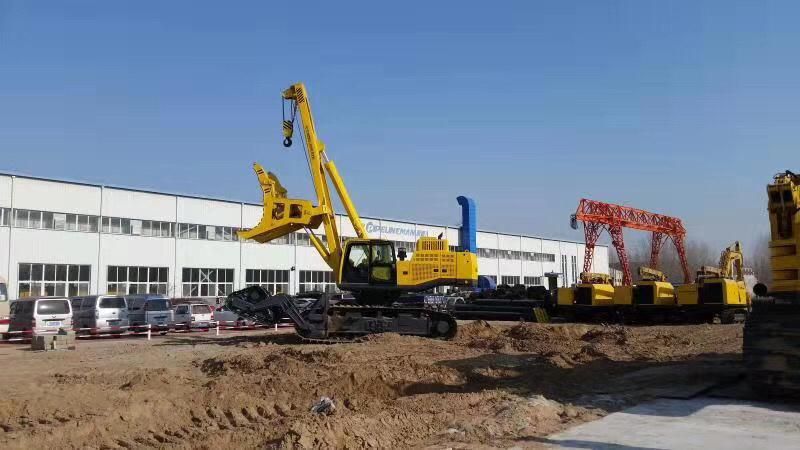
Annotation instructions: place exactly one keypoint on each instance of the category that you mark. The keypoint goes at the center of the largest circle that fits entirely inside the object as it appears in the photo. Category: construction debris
(64, 340)
(324, 406)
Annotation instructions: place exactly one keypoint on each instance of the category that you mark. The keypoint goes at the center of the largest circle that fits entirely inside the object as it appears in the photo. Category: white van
(40, 315)
(152, 309)
(100, 313)
(194, 315)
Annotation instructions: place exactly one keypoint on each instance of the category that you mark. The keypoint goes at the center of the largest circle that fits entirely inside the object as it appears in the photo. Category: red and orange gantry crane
(598, 216)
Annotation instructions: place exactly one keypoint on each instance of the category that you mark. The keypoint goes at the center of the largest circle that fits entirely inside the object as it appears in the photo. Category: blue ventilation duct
(467, 234)
(486, 284)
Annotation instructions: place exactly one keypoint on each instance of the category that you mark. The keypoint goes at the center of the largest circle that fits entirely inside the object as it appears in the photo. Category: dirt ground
(494, 386)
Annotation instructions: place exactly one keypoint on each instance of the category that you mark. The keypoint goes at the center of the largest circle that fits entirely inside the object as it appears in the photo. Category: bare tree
(697, 254)
(758, 259)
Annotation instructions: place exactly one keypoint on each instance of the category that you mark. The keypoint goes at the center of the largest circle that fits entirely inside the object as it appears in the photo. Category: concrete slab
(701, 423)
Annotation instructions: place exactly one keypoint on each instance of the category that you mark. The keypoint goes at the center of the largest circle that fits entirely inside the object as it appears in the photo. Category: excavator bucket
(281, 215)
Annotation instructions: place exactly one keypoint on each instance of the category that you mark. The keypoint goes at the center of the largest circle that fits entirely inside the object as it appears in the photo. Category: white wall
(55, 196)
(55, 247)
(139, 205)
(118, 250)
(532, 268)
(5, 191)
(101, 250)
(209, 212)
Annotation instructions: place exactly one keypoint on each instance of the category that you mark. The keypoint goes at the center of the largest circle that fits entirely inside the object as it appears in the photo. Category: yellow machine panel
(623, 295)
(566, 296)
(712, 291)
(594, 295)
(656, 293)
(686, 294)
(434, 262)
(784, 199)
(724, 291)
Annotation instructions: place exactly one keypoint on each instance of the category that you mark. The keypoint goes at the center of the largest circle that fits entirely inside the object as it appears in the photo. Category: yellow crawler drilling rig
(717, 291)
(772, 330)
(375, 271)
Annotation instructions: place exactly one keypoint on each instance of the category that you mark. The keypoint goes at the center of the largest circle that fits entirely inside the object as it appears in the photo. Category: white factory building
(71, 238)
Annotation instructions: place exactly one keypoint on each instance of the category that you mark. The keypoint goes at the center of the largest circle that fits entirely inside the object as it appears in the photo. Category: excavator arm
(731, 262)
(283, 215)
(731, 265)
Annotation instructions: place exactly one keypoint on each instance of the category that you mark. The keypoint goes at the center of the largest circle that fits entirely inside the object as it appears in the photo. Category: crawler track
(772, 348)
(326, 323)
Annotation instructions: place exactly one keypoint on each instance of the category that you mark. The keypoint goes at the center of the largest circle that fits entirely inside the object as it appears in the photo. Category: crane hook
(287, 142)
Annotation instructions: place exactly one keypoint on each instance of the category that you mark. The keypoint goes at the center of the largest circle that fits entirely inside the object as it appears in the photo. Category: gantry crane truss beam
(597, 216)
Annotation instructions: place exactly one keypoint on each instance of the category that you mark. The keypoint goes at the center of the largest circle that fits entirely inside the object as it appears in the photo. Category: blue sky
(685, 108)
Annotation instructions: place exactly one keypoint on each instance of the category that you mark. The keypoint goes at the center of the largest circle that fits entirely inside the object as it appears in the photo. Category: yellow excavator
(772, 330)
(717, 291)
(652, 298)
(590, 299)
(373, 270)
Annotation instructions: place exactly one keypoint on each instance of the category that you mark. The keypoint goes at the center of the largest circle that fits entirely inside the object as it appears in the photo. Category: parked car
(153, 309)
(100, 313)
(40, 315)
(194, 315)
(226, 317)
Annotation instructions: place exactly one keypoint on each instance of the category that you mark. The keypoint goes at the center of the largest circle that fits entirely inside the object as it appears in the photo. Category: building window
(512, 254)
(564, 270)
(123, 280)
(136, 227)
(207, 232)
(53, 279)
(533, 281)
(316, 280)
(5, 213)
(509, 280)
(283, 240)
(303, 239)
(207, 282)
(487, 253)
(46, 220)
(274, 281)
(538, 257)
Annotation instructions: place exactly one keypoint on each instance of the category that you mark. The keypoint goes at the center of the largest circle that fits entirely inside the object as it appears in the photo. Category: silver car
(40, 315)
(155, 310)
(100, 314)
(228, 318)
